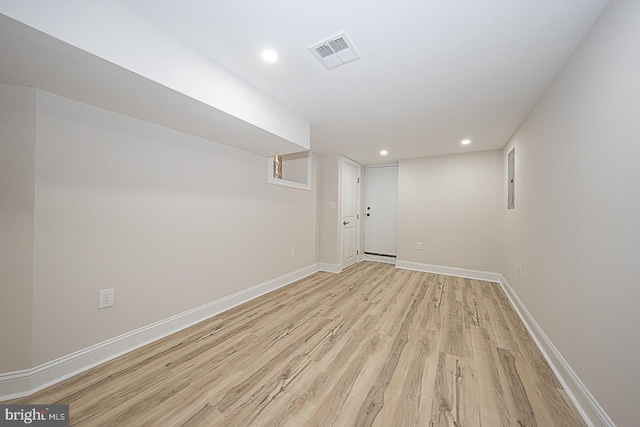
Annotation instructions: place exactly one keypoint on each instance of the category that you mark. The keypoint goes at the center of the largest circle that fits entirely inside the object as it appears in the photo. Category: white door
(381, 210)
(349, 218)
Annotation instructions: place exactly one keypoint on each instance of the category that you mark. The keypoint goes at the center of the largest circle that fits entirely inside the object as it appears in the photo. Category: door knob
(345, 222)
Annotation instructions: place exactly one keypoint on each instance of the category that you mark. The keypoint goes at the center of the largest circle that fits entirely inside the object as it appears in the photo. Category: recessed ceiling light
(384, 152)
(465, 142)
(269, 55)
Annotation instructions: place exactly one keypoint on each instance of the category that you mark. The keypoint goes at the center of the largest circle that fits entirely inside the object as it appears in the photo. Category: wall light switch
(332, 205)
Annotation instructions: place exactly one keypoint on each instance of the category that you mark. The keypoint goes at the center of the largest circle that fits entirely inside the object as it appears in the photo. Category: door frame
(359, 253)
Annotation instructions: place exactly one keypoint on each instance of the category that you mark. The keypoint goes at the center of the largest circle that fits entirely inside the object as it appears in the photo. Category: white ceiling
(432, 72)
(32, 58)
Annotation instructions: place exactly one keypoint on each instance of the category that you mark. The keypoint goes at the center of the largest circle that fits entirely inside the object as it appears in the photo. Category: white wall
(452, 204)
(328, 228)
(17, 146)
(169, 220)
(575, 226)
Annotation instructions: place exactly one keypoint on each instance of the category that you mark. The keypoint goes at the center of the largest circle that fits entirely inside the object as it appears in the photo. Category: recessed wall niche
(290, 170)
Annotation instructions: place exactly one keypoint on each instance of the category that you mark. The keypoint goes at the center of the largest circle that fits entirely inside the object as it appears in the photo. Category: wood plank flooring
(372, 346)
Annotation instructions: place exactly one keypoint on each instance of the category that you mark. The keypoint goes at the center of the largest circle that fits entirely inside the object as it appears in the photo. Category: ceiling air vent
(336, 51)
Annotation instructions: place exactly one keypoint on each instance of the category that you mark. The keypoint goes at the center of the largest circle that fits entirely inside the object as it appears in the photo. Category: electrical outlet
(520, 271)
(293, 252)
(419, 246)
(105, 298)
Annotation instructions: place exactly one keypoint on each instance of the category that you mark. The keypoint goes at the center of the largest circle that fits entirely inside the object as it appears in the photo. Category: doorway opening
(381, 213)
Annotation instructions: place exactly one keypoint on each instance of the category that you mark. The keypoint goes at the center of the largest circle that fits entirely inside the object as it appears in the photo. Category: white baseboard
(378, 258)
(25, 382)
(330, 268)
(590, 410)
(449, 271)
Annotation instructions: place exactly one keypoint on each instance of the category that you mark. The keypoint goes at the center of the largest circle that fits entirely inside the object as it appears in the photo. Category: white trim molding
(450, 271)
(591, 411)
(379, 258)
(329, 268)
(25, 382)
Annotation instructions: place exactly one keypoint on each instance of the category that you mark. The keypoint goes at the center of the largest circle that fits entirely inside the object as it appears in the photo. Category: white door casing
(381, 210)
(349, 212)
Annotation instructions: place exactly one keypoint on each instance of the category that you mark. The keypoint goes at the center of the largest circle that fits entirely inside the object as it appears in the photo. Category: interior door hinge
(358, 216)
(358, 180)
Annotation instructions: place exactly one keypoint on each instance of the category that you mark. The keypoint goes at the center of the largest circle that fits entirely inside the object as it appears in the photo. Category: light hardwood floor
(373, 345)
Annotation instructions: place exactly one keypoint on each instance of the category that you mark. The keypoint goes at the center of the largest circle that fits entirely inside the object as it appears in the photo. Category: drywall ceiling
(69, 48)
(33, 59)
(431, 74)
